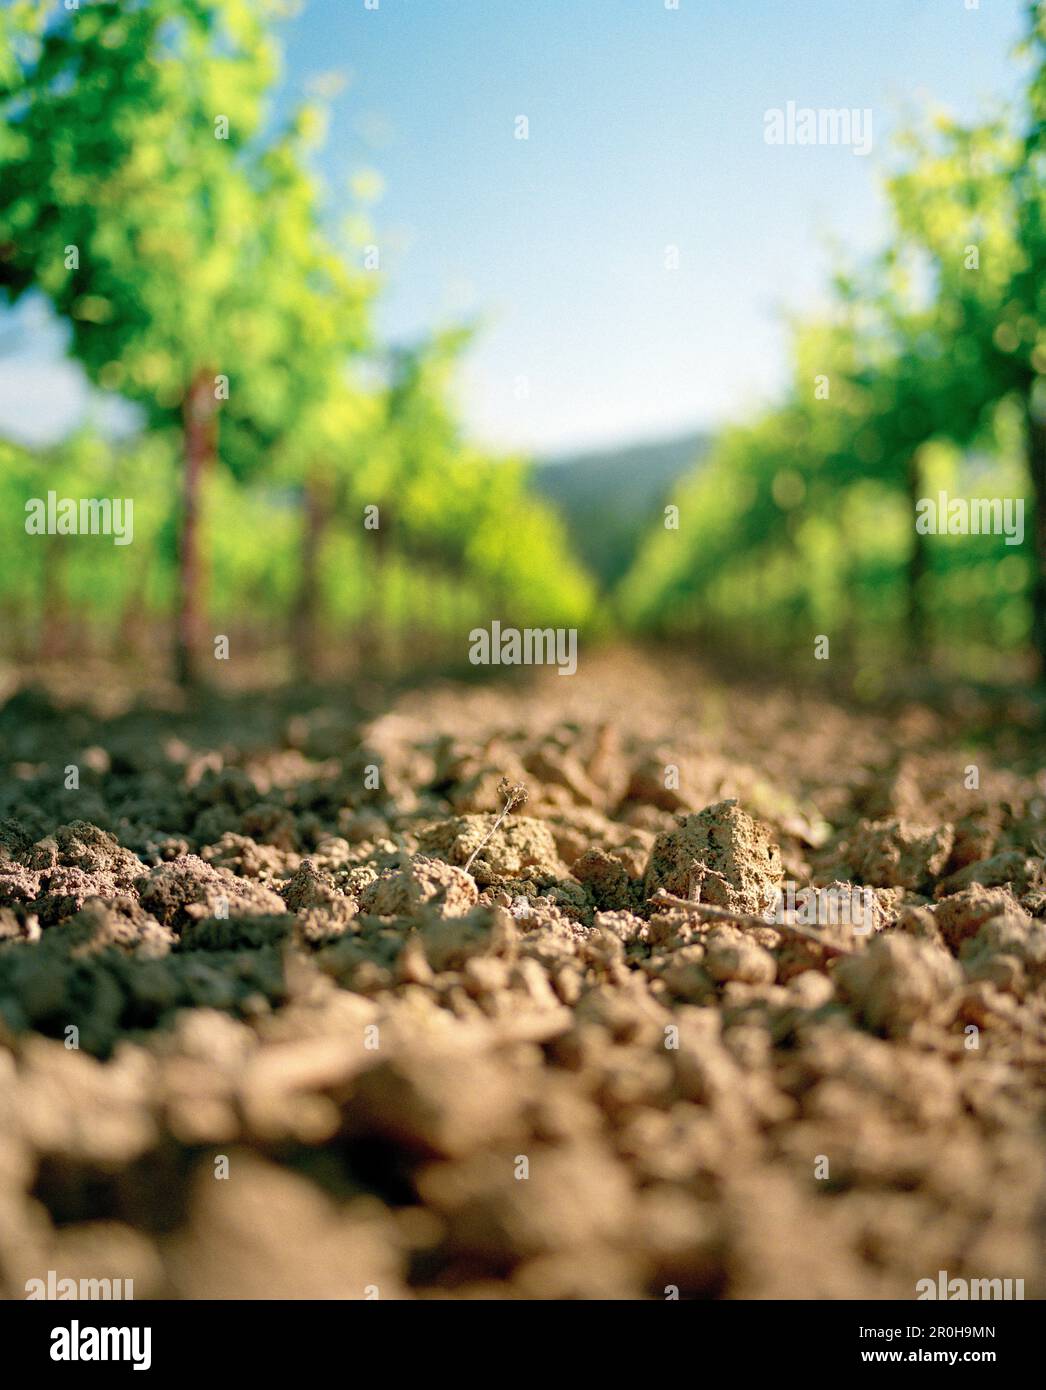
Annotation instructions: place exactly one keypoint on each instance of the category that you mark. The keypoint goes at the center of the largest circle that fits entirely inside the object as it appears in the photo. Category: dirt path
(263, 1035)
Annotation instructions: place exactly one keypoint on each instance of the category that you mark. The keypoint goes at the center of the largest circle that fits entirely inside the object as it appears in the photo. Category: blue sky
(646, 130)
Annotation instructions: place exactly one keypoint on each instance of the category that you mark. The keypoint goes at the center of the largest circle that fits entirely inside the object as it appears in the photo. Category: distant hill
(609, 499)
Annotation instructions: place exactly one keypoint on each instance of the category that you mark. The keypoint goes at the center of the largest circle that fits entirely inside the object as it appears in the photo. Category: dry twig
(515, 794)
(708, 913)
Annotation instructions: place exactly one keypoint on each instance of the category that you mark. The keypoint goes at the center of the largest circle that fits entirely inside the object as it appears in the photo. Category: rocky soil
(281, 1017)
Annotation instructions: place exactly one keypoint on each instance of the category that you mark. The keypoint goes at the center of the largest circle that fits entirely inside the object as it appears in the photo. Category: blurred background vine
(206, 280)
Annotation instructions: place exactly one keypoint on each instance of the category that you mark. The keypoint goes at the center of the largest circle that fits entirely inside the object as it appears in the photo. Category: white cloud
(42, 401)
